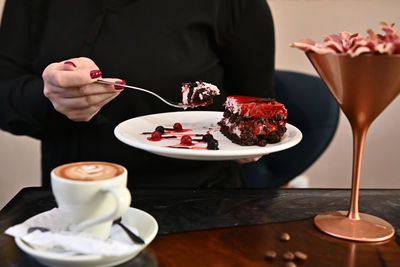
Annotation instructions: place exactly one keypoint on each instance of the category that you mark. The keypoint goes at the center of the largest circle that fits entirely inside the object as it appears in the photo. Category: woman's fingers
(71, 88)
(79, 62)
(248, 160)
(86, 101)
(82, 103)
(74, 72)
(71, 78)
(86, 90)
(83, 108)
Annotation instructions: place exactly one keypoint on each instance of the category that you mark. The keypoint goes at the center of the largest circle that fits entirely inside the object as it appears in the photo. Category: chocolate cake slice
(198, 93)
(253, 120)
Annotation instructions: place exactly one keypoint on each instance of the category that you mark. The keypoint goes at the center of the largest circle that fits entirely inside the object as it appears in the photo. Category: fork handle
(177, 105)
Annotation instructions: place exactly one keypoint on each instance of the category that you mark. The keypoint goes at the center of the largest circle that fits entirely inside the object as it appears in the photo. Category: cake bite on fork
(199, 93)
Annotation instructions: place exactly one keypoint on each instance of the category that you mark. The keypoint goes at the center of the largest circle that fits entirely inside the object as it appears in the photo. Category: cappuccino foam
(88, 171)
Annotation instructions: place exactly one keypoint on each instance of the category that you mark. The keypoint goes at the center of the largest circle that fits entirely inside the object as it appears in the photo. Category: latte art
(89, 171)
(92, 170)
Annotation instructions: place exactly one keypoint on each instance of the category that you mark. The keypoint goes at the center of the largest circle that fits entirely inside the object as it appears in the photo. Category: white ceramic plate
(131, 132)
(145, 224)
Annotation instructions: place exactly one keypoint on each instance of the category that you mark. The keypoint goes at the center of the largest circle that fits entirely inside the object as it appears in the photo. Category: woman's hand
(247, 160)
(71, 88)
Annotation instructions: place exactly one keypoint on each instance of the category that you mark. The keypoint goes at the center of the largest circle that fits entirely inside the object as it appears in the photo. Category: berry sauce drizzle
(184, 139)
(162, 137)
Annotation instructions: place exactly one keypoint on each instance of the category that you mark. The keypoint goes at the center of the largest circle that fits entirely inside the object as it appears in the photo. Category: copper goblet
(363, 86)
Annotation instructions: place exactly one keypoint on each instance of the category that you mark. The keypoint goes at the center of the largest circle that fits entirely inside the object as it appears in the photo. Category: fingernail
(119, 87)
(70, 63)
(95, 74)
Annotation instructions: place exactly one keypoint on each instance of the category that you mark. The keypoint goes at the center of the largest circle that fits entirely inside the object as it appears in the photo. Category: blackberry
(207, 137)
(212, 144)
(160, 129)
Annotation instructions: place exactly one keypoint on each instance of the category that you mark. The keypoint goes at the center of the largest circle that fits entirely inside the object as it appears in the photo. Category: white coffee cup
(90, 195)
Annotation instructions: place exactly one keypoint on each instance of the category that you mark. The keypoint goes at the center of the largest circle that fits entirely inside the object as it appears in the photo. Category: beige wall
(19, 160)
(294, 19)
(1, 6)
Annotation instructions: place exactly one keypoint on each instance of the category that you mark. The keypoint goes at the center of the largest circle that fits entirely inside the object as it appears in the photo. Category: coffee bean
(300, 255)
(289, 256)
(285, 237)
(290, 264)
(270, 254)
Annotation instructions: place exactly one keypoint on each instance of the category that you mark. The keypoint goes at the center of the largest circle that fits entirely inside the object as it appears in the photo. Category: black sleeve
(24, 110)
(248, 54)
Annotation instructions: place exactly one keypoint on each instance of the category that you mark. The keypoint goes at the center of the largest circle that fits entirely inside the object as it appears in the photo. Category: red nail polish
(70, 63)
(119, 87)
(95, 74)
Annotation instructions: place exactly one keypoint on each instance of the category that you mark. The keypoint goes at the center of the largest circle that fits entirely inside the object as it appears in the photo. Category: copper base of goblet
(366, 229)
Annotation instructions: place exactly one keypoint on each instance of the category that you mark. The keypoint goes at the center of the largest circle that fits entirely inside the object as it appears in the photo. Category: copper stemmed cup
(363, 86)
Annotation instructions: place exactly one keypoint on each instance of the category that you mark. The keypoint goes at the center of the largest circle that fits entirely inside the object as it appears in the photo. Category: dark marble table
(186, 211)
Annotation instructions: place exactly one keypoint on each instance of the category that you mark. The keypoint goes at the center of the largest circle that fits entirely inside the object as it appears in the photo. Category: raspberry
(186, 140)
(160, 129)
(178, 127)
(156, 135)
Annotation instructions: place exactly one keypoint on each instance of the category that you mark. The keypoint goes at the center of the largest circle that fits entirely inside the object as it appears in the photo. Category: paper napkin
(65, 242)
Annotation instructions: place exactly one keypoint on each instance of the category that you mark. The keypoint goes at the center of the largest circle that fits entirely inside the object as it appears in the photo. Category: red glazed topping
(255, 107)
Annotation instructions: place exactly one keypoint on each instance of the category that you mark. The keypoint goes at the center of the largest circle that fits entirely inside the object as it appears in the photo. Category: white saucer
(145, 224)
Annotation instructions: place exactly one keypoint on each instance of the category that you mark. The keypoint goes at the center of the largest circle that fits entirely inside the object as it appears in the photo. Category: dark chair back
(313, 110)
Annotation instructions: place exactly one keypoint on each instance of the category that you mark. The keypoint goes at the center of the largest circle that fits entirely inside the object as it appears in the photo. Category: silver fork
(168, 102)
